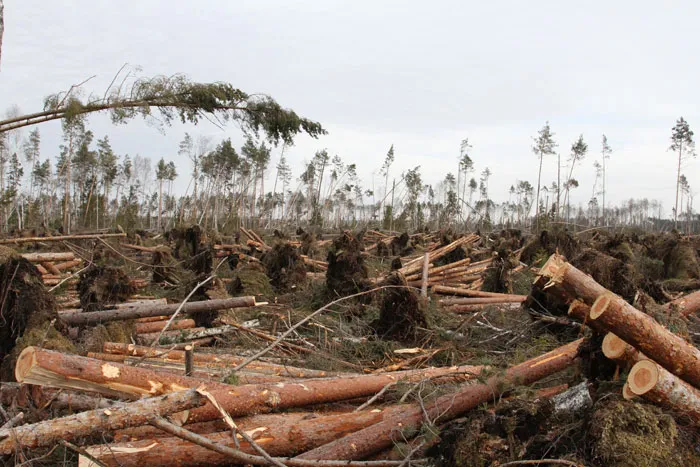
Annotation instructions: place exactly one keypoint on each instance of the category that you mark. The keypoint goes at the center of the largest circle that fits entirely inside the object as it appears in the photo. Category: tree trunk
(484, 300)
(58, 238)
(377, 437)
(97, 421)
(44, 257)
(620, 351)
(678, 184)
(155, 310)
(537, 211)
(157, 326)
(686, 305)
(644, 333)
(38, 366)
(207, 359)
(183, 335)
(654, 383)
(281, 435)
(160, 202)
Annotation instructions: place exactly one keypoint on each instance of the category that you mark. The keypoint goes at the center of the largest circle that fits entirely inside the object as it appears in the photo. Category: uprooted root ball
(284, 266)
(103, 285)
(26, 314)
(347, 272)
(402, 314)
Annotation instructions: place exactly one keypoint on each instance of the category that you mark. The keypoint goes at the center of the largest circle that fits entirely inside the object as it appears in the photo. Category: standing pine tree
(682, 143)
(578, 152)
(544, 146)
(605, 151)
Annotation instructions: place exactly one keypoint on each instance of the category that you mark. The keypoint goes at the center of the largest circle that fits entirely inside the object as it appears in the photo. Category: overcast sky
(419, 75)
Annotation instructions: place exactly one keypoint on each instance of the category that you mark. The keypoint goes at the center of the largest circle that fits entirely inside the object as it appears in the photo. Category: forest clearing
(233, 303)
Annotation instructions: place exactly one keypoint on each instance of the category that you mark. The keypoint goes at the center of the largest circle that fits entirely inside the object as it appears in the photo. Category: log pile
(665, 367)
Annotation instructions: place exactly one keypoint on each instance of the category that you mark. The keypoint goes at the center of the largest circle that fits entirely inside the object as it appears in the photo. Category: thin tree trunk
(678, 183)
(537, 211)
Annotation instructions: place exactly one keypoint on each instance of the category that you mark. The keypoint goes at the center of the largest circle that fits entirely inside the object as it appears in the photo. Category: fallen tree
(656, 384)
(102, 316)
(137, 413)
(44, 367)
(379, 436)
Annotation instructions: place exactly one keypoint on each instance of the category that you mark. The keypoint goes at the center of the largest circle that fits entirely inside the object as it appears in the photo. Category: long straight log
(645, 334)
(59, 238)
(157, 326)
(483, 300)
(416, 264)
(47, 257)
(654, 383)
(437, 269)
(46, 367)
(69, 264)
(219, 360)
(155, 310)
(686, 305)
(182, 335)
(49, 432)
(379, 436)
(476, 308)
(445, 290)
(279, 436)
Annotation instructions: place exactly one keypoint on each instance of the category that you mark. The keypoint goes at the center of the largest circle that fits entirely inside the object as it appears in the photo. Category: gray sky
(419, 75)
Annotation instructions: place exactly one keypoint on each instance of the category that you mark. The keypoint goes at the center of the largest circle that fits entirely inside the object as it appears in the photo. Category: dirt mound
(347, 273)
(99, 286)
(402, 313)
(284, 266)
(26, 314)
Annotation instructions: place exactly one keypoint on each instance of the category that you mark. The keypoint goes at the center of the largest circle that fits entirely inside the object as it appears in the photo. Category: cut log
(278, 435)
(438, 269)
(157, 326)
(51, 268)
(94, 317)
(476, 308)
(627, 393)
(219, 360)
(59, 238)
(654, 383)
(50, 432)
(183, 335)
(46, 367)
(444, 290)
(649, 337)
(483, 300)
(686, 305)
(377, 437)
(69, 264)
(48, 257)
(620, 351)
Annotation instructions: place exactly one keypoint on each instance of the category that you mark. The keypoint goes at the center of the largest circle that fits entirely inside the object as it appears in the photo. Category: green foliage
(177, 97)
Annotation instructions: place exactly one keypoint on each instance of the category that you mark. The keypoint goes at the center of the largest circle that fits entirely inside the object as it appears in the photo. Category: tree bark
(94, 317)
(157, 326)
(654, 383)
(483, 300)
(379, 436)
(645, 334)
(219, 360)
(59, 238)
(45, 257)
(49, 432)
(279, 435)
(686, 305)
(46, 367)
(183, 335)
